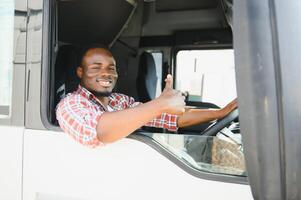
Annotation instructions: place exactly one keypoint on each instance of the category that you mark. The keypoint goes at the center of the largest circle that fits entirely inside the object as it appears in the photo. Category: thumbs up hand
(172, 100)
(168, 82)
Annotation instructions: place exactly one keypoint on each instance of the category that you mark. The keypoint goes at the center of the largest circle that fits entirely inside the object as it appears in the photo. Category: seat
(66, 80)
(146, 81)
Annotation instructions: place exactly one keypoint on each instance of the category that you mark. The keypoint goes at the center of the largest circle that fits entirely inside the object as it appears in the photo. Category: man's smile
(104, 82)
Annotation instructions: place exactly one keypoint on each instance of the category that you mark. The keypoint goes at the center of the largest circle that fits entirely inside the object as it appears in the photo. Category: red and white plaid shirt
(79, 112)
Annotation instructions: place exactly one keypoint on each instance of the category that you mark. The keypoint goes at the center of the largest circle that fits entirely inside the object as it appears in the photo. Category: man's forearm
(198, 116)
(113, 126)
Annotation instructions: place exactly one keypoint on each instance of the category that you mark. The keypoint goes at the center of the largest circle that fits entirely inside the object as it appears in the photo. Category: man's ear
(79, 72)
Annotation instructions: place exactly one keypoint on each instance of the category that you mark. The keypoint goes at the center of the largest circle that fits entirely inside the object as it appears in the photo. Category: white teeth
(105, 83)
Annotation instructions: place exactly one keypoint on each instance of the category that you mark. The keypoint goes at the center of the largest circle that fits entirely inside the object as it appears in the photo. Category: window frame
(49, 44)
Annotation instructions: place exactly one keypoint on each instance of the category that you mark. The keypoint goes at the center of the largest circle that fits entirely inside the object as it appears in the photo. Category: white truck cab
(217, 50)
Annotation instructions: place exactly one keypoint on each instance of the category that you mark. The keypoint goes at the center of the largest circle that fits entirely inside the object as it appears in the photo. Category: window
(207, 75)
(218, 154)
(6, 55)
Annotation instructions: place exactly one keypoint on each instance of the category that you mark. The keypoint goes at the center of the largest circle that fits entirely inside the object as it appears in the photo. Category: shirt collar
(84, 92)
(87, 94)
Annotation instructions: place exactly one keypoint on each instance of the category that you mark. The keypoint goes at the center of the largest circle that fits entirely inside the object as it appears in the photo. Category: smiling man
(94, 116)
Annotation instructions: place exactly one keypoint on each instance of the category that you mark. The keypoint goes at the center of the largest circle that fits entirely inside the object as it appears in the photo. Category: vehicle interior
(145, 37)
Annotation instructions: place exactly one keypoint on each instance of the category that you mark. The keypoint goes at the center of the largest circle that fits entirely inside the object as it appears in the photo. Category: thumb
(168, 82)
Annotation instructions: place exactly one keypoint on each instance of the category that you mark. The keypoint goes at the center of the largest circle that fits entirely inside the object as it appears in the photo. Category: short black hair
(86, 48)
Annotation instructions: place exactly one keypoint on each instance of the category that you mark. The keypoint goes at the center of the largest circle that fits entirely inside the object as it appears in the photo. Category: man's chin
(101, 93)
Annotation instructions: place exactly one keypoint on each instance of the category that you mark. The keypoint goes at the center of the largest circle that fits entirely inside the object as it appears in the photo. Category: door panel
(56, 167)
(11, 141)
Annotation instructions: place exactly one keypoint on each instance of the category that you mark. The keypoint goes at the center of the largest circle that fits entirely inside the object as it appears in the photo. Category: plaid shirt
(79, 112)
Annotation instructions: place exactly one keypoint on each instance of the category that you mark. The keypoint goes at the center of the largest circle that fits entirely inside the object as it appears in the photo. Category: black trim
(183, 5)
(152, 41)
(189, 37)
(47, 47)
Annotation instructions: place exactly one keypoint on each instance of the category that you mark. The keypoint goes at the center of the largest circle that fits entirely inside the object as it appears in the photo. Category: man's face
(98, 72)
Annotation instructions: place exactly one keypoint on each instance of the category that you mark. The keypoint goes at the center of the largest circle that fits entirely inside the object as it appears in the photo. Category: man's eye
(95, 68)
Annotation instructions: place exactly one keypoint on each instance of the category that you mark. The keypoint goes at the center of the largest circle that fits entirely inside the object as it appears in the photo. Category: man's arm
(198, 116)
(113, 126)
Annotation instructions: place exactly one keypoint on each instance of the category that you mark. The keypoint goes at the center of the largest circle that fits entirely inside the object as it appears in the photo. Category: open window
(74, 25)
(146, 34)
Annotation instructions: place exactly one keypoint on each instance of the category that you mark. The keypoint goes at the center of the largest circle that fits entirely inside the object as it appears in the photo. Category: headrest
(147, 77)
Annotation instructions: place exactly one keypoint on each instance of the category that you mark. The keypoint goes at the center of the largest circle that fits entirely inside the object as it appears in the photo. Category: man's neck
(104, 100)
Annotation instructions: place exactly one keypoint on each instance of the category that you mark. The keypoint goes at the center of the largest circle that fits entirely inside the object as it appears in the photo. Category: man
(94, 116)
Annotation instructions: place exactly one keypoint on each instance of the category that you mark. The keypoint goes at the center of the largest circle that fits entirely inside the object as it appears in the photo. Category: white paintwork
(11, 162)
(56, 167)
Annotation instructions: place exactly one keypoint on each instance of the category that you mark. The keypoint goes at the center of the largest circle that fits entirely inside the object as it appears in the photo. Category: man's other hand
(228, 108)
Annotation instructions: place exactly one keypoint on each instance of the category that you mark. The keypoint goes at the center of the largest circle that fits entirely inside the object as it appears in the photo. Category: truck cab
(216, 50)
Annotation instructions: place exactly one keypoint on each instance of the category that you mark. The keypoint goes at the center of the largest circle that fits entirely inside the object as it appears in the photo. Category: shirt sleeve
(77, 120)
(165, 120)
(131, 102)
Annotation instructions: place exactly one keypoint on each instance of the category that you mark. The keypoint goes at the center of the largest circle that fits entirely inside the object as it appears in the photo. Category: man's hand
(172, 100)
(228, 108)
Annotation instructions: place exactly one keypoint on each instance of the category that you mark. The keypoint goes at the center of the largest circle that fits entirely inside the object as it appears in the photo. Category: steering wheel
(220, 124)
